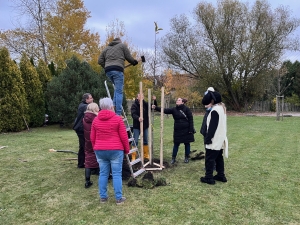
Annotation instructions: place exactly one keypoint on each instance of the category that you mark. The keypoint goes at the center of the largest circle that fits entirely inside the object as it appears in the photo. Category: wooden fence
(266, 106)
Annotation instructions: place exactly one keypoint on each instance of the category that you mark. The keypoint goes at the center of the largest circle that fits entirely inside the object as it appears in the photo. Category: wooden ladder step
(130, 139)
(138, 172)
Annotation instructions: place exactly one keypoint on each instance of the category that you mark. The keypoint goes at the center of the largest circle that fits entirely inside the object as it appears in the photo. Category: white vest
(219, 141)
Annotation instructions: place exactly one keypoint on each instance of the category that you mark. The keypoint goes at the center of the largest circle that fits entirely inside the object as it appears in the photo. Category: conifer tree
(12, 95)
(45, 76)
(34, 92)
(44, 73)
(64, 92)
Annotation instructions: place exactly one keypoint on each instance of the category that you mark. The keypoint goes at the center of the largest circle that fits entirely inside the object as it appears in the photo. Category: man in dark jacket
(78, 127)
(112, 60)
(136, 116)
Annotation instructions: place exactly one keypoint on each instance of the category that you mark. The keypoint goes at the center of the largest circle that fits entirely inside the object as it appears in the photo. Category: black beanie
(206, 100)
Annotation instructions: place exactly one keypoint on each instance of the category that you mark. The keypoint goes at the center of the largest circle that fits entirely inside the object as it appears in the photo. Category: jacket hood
(89, 117)
(115, 42)
(105, 114)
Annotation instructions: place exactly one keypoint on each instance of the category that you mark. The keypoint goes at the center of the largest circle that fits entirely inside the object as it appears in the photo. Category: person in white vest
(215, 139)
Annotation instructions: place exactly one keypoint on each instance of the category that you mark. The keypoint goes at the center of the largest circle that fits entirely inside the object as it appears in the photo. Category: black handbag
(194, 131)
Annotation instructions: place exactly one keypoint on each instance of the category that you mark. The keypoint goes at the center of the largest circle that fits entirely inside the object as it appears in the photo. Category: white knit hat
(211, 89)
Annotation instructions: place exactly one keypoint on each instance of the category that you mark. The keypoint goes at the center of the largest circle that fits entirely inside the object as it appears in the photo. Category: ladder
(137, 161)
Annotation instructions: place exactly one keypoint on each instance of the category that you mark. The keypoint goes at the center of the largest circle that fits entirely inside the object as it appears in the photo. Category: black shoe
(186, 160)
(222, 179)
(88, 184)
(173, 161)
(207, 180)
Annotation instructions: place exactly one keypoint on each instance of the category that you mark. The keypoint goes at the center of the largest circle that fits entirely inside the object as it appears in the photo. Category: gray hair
(106, 103)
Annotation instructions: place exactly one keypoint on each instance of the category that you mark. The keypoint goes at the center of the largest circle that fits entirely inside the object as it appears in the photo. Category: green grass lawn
(42, 187)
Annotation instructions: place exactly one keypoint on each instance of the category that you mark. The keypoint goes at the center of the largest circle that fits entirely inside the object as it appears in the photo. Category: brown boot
(133, 156)
(146, 152)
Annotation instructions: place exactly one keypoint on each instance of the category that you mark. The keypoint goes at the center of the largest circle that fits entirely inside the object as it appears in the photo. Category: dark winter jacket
(78, 125)
(203, 129)
(135, 114)
(183, 127)
(90, 157)
(113, 56)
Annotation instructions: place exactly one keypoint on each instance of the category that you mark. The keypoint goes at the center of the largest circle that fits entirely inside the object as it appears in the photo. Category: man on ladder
(112, 59)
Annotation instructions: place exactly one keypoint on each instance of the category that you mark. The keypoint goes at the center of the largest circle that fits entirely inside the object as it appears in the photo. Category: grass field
(42, 187)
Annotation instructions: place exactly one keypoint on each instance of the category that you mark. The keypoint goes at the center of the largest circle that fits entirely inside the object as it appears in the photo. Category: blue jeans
(187, 148)
(117, 78)
(110, 159)
(136, 134)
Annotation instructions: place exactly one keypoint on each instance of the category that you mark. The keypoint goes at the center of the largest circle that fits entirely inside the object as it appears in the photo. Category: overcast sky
(139, 16)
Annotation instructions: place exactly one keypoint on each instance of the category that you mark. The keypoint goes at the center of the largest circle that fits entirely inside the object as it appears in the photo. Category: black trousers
(213, 157)
(81, 155)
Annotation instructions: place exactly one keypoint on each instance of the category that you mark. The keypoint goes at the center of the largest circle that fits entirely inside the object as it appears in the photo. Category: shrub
(12, 95)
(64, 92)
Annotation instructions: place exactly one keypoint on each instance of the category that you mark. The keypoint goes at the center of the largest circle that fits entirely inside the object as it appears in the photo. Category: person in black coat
(78, 127)
(183, 127)
(136, 116)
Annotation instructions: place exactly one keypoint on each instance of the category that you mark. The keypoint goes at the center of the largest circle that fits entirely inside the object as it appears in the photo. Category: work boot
(133, 156)
(146, 152)
(173, 160)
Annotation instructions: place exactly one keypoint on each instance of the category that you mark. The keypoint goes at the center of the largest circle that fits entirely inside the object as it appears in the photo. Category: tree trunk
(277, 108)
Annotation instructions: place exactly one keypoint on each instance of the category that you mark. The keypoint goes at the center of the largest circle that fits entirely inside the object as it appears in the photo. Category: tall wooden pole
(141, 123)
(162, 125)
(150, 134)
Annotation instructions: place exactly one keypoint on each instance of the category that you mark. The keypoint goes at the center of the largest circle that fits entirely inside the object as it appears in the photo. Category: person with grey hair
(112, 59)
(110, 143)
(78, 127)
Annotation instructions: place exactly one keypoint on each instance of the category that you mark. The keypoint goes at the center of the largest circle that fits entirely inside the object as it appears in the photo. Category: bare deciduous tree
(29, 35)
(231, 46)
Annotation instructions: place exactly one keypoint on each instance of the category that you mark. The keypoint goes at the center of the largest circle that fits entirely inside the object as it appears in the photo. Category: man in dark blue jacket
(78, 127)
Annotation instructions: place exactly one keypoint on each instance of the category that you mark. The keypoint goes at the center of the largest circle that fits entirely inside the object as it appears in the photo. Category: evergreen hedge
(34, 92)
(14, 106)
(64, 92)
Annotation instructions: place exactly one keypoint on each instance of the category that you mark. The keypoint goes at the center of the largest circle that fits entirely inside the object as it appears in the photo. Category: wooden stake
(150, 146)
(141, 123)
(162, 125)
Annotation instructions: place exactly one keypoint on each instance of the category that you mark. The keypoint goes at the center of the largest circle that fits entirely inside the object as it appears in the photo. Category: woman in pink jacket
(110, 143)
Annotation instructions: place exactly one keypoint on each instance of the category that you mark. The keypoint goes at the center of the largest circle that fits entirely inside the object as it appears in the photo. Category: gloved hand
(135, 62)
